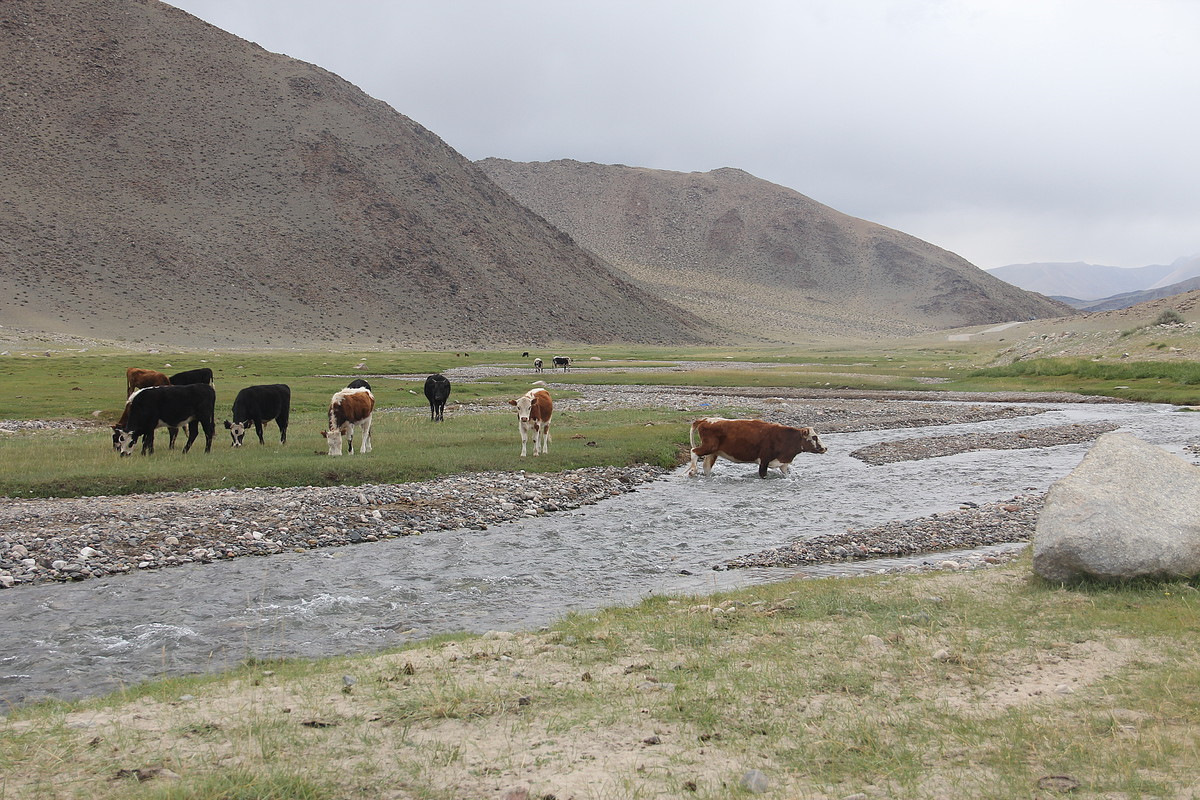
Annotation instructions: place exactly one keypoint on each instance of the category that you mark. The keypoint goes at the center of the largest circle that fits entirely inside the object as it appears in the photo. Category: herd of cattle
(188, 399)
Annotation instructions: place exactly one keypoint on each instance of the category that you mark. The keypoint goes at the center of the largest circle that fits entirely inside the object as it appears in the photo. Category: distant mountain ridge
(759, 258)
(1078, 281)
(162, 180)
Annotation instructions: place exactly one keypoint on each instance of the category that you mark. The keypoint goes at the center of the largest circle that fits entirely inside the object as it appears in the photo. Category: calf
(201, 375)
(172, 406)
(260, 404)
(537, 365)
(347, 409)
(437, 390)
(534, 409)
(746, 440)
(562, 361)
(136, 378)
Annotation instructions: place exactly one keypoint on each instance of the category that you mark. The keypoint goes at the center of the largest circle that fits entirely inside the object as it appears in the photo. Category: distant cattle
(437, 390)
(260, 404)
(534, 409)
(348, 409)
(358, 383)
(746, 440)
(170, 406)
(136, 378)
(562, 361)
(201, 375)
(537, 365)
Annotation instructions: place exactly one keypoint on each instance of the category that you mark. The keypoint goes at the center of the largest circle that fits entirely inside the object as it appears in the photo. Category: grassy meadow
(90, 386)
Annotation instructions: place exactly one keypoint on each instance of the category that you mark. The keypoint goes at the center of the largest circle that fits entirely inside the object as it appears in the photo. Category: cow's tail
(692, 433)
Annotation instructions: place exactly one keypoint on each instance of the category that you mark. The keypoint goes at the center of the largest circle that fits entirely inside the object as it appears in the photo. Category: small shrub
(1169, 317)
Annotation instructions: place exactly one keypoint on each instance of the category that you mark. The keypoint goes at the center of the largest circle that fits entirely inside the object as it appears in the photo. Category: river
(91, 637)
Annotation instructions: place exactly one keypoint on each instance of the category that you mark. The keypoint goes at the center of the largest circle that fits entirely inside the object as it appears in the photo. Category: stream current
(91, 637)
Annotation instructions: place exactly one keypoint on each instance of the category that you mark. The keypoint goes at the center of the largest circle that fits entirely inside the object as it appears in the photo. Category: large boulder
(1129, 510)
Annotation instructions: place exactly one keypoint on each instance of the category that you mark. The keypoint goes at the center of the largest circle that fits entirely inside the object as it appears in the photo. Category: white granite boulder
(1129, 510)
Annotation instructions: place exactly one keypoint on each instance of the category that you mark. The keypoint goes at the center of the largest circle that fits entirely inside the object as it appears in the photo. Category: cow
(537, 365)
(200, 375)
(562, 361)
(437, 390)
(746, 440)
(358, 383)
(170, 406)
(534, 409)
(260, 404)
(347, 409)
(136, 378)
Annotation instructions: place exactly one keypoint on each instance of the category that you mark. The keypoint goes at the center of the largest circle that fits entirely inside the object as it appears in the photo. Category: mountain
(1080, 281)
(1128, 299)
(162, 180)
(759, 258)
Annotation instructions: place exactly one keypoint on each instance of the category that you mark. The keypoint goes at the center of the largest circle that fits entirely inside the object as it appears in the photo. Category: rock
(1129, 510)
(755, 781)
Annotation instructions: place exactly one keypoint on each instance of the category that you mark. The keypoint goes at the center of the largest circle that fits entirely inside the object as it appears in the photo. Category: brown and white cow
(348, 409)
(534, 409)
(747, 440)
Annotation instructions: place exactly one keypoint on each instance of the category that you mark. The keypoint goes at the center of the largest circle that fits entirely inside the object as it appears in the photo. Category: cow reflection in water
(748, 440)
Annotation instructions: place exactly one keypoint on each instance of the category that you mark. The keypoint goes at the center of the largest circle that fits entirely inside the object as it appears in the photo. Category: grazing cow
(358, 383)
(347, 409)
(141, 378)
(562, 361)
(534, 409)
(260, 404)
(746, 440)
(201, 375)
(525, 354)
(537, 365)
(170, 406)
(437, 390)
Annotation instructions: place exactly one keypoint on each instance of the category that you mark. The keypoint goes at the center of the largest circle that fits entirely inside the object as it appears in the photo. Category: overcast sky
(1008, 131)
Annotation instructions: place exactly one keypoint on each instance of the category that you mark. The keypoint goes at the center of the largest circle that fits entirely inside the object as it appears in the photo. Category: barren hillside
(760, 258)
(162, 180)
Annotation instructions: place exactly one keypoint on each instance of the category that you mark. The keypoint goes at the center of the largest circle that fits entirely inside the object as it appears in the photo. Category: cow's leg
(763, 464)
(193, 429)
(173, 432)
(784, 468)
(692, 464)
(541, 438)
(258, 423)
(210, 429)
(709, 460)
(364, 428)
(147, 442)
(524, 429)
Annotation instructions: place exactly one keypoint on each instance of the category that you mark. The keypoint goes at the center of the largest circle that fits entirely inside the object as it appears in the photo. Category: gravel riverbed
(77, 538)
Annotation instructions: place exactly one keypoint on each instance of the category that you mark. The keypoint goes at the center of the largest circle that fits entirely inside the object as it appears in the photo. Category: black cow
(172, 406)
(358, 383)
(562, 361)
(201, 375)
(260, 404)
(437, 390)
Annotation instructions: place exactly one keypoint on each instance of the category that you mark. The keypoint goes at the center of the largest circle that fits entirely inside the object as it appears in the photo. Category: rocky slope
(162, 180)
(760, 258)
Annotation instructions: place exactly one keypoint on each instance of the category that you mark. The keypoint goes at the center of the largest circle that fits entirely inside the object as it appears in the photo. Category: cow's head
(523, 404)
(334, 439)
(123, 441)
(237, 430)
(810, 442)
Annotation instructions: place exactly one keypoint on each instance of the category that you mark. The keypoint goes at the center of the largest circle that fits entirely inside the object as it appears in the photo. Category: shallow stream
(70, 640)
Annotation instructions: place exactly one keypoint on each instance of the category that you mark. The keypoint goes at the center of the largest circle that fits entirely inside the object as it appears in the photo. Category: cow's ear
(325, 434)
(228, 425)
(512, 402)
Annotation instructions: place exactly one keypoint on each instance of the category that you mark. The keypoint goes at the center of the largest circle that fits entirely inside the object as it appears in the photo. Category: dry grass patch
(983, 684)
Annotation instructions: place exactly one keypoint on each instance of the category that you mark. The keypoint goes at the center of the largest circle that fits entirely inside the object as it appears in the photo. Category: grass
(919, 686)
